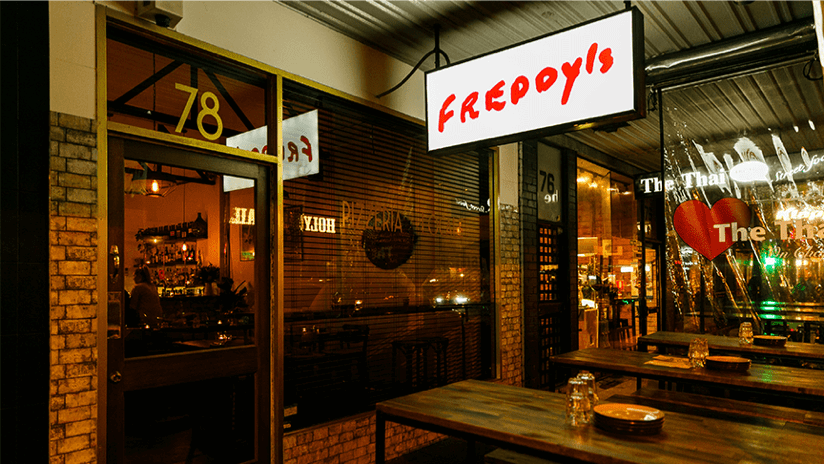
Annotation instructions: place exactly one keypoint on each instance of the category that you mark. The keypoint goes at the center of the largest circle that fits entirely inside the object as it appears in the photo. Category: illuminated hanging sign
(300, 144)
(572, 79)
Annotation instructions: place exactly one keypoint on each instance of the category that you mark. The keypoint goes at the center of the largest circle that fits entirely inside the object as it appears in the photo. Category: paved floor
(453, 450)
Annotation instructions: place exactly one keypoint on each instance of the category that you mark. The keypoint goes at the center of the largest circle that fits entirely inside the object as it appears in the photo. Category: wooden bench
(710, 405)
(505, 456)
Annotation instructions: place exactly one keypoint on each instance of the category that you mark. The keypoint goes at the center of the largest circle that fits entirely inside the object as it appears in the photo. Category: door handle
(116, 377)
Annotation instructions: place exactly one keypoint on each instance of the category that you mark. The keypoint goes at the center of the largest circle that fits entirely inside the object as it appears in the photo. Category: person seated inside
(144, 298)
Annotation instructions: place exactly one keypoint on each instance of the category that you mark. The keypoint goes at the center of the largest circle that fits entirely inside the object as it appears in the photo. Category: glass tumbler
(745, 333)
(577, 403)
(698, 352)
(591, 391)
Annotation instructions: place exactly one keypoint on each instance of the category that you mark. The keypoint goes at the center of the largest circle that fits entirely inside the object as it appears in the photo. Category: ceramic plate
(628, 412)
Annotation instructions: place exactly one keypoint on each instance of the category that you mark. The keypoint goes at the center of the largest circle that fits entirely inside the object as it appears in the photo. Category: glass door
(188, 350)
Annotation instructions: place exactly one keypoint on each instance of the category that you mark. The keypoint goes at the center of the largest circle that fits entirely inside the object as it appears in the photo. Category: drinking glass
(577, 403)
(745, 333)
(591, 391)
(698, 352)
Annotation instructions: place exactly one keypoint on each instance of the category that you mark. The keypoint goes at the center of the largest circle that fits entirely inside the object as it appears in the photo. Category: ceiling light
(812, 126)
(749, 171)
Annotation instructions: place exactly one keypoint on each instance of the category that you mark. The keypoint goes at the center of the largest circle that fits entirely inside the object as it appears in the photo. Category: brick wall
(351, 441)
(509, 297)
(73, 289)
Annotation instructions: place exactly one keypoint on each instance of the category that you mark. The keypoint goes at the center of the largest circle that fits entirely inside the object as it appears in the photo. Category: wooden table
(532, 421)
(791, 350)
(764, 378)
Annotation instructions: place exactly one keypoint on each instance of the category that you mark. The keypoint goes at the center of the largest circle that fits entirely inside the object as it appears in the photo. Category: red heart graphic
(695, 222)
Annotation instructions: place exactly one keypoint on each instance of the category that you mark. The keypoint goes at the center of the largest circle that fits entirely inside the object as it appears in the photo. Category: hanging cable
(808, 69)
(436, 51)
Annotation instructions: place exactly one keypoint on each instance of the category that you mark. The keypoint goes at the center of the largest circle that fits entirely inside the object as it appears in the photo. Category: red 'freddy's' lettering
(468, 106)
(591, 57)
(519, 89)
(445, 115)
(495, 92)
(606, 60)
(571, 72)
(293, 152)
(544, 80)
(307, 151)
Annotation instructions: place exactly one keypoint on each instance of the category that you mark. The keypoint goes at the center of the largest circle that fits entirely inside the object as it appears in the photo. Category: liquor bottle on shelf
(199, 227)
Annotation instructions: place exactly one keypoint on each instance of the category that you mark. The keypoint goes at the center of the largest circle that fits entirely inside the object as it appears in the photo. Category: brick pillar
(73, 289)
(509, 297)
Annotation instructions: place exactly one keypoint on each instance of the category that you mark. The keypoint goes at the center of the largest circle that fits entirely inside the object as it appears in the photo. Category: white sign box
(300, 144)
(567, 80)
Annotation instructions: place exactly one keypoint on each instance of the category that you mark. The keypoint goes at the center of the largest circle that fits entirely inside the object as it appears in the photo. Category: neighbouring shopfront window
(744, 204)
(608, 254)
(386, 260)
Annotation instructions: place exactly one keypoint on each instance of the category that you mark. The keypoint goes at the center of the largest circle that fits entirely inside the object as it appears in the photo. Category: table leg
(470, 451)
(380, 438)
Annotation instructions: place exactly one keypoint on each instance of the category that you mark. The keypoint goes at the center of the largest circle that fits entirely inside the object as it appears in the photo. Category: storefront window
(744, 204)
(607, 254)
(386, 260)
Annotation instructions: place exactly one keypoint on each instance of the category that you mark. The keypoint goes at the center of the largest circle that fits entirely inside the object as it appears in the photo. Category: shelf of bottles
(548, 263)
(193, 230)
(172, 253)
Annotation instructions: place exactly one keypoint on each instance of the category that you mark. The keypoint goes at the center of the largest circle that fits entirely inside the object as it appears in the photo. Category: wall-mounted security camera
(162, 13)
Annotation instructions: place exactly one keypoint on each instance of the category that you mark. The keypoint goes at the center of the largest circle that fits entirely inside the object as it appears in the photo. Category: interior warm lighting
(183, 247)
(583, 180)
(812, 126)
(749, 171)
(626, 268)
(155, 187)
(795, 127)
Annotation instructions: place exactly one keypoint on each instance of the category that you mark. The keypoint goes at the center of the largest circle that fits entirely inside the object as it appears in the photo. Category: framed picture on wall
(292, 235)
(247, 242)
